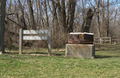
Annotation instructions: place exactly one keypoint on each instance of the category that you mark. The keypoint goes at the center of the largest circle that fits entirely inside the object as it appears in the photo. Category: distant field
(105, 65)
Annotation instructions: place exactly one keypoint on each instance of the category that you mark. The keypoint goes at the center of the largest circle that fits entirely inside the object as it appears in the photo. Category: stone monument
(80, 45)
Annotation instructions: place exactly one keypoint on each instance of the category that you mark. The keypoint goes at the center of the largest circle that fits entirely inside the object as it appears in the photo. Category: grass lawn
(105, 65)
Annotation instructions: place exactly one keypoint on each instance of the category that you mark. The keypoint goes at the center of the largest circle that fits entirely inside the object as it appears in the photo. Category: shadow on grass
(58, 55)
(36, 53)
(98, 56)
(10, 53)
(111, 47)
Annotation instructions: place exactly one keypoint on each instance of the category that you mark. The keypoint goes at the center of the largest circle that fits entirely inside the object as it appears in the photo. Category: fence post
(20, 40)
(49, 41)
(110, 40)
(101, 40)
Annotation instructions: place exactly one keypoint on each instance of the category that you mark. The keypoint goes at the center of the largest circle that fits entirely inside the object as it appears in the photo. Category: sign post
(20, 40)
(49, 42)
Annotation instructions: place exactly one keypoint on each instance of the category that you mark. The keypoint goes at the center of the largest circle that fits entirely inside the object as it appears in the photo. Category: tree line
(62, 16)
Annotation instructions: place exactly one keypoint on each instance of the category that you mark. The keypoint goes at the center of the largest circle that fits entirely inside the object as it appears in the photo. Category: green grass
(105, 65)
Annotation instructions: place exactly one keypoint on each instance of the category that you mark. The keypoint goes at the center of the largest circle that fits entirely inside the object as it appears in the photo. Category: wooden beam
(35, 37)
(20, 40)
(35, 31)
(49, 42)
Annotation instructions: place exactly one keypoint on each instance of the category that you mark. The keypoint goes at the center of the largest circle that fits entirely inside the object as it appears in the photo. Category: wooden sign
(35, 31)
(46, 36)
(35, 37)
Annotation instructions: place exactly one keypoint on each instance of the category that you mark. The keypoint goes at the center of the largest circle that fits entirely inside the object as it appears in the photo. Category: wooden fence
(115, 40)
(103, 40)
(107, 40)
(38, 35)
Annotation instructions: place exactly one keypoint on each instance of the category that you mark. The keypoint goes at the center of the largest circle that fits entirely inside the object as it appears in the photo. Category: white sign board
(35, 37)
(35, 31)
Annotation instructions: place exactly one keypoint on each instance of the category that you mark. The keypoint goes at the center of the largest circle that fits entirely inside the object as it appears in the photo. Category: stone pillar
(80, 50)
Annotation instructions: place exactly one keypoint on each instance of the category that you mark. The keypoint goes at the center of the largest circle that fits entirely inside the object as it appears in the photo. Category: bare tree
(41, 19)
(83, 9)
(54, 14)
(103, 26)
(98, 18)
(2, 25)
(63, 20)
(107, 17)
(63, 15)
(87, 21)
(46, 13)
(70, 14)
(22, 19)
(32, 20)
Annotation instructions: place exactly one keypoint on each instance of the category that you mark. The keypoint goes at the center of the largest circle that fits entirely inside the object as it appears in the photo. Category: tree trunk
(71, 12)
(41, 21)
(60, 20)
(63, 15)
(2, 25)
(98, 18)
(32, 20)
(107, 18)
(22, 19)
(46, 13)
(63, 19)
(83, 9)
(55, 19)
(87, 22)
(103, 27)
